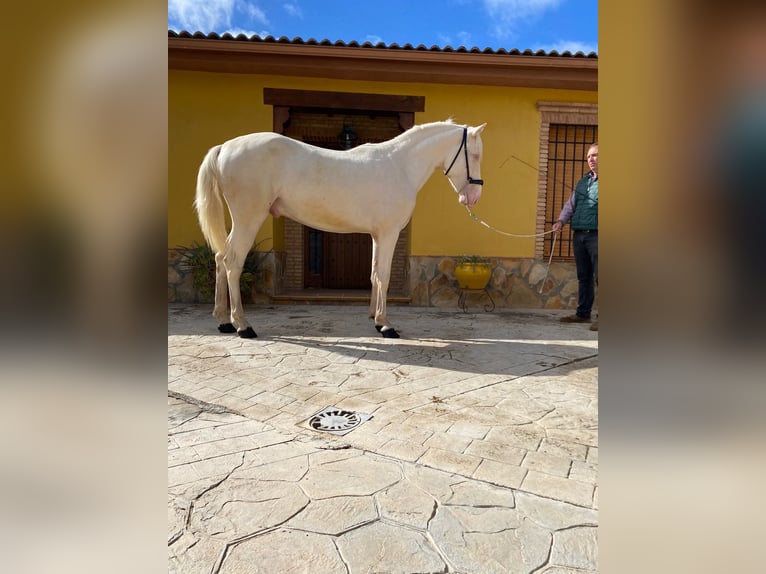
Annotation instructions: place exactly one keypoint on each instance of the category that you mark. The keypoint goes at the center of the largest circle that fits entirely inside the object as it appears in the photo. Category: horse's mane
(429, 125)
(417, 130)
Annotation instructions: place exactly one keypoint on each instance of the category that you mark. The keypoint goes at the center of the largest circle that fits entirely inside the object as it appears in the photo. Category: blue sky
(523, 24)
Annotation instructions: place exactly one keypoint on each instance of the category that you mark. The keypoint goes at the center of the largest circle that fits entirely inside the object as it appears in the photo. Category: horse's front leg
(382, 255)
(373, 295)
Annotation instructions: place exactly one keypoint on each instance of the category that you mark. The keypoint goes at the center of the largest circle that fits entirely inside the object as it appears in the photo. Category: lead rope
(547, 267)
(488, 226)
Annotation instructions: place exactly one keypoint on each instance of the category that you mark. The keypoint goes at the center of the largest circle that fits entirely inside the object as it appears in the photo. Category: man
(582, 210)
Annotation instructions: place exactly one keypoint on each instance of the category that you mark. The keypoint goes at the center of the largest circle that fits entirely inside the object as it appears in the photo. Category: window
(567, 130)
(567, 149)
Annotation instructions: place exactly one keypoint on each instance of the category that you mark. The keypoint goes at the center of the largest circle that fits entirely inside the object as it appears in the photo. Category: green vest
(586, 205)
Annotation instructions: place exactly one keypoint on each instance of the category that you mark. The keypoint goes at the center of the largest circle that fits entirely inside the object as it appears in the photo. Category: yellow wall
(206, 109)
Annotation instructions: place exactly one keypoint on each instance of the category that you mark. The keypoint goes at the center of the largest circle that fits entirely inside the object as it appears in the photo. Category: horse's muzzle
(470, 194)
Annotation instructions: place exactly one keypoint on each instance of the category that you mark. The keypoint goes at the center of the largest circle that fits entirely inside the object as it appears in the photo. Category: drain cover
(337, 421)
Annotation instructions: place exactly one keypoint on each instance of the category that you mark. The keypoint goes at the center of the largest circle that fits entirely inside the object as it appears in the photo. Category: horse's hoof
(378, 328)
(247, 333)
(389, 333)
(226, 328)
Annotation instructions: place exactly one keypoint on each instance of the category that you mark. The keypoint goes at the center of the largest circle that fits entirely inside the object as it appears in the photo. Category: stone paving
(480, 457)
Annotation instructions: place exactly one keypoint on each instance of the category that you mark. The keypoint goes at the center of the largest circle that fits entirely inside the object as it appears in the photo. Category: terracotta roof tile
(379, 45)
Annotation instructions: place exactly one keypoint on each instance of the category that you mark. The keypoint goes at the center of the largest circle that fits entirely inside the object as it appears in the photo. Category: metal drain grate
(336, 421)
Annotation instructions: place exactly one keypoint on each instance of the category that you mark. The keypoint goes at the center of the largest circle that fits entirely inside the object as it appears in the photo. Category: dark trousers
(586, 260)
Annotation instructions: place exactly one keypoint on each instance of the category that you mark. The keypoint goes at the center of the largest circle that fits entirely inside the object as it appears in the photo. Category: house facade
(541, 111)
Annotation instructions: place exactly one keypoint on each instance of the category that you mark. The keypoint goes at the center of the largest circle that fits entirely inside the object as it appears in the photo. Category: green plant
(472, 260)
(200, 259)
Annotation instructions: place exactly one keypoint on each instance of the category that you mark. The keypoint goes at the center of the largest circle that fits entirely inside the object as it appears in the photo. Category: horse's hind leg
(220, 310)
(238, 244)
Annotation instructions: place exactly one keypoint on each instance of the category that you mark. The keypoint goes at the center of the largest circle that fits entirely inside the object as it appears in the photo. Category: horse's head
(464, 172)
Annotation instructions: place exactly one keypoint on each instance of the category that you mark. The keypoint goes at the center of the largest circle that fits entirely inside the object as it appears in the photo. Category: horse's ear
(479, 129)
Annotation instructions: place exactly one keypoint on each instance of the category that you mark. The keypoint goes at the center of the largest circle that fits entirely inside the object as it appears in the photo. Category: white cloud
(248, 33)
(460, 39)
(569, 46)
(465, 39)
(372, 39)
(520, 7)
(253, 12)
(212, 15)
(293, 9)
(200, 15)
(506, 14)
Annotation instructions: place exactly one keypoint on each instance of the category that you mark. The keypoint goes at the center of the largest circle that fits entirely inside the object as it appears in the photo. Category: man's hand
(557, 226)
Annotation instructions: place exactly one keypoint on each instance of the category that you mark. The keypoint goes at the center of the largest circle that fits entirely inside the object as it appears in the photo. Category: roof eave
(393, 65)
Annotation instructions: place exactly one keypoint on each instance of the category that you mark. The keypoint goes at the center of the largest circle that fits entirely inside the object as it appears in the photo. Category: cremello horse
(368, 189)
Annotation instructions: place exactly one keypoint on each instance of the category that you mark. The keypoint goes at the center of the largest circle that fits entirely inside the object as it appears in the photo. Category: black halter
(464, 147)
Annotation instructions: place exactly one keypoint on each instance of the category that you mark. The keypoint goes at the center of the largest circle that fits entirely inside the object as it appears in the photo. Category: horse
(368, 189)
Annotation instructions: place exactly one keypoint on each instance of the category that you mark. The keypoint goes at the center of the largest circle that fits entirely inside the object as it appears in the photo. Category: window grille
(567, 149)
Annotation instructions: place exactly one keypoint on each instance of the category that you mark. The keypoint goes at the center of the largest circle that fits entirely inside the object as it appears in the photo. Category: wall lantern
(347, 137)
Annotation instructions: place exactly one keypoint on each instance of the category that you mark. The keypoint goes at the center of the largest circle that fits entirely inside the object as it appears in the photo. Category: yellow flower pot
(472, 275)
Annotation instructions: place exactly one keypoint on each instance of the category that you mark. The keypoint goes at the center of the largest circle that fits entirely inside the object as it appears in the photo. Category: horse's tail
(208, 202)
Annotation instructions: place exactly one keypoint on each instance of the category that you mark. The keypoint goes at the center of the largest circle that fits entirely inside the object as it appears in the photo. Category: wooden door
(337, 260)
(349, 260)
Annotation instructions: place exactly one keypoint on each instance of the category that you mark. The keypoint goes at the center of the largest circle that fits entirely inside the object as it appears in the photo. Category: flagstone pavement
(480, 457)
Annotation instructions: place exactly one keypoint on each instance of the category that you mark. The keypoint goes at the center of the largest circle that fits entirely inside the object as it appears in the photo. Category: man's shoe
(594, 326)
(575, 319)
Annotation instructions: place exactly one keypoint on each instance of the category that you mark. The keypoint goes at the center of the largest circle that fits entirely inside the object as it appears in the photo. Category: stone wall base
(515, 283)
(269, 278)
